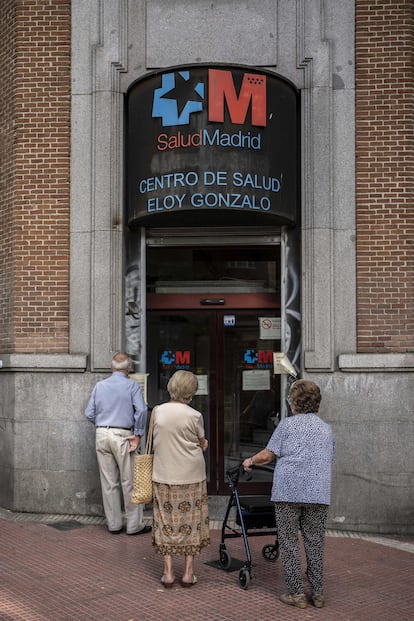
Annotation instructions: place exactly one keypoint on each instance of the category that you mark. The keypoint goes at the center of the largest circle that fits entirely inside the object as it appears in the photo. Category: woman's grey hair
(305, 396)
(122, 362)
(182, 386)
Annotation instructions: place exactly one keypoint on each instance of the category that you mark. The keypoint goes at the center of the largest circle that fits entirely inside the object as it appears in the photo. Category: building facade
(204, 185)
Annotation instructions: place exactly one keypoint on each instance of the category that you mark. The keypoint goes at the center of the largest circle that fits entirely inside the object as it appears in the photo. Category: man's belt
(111, 427)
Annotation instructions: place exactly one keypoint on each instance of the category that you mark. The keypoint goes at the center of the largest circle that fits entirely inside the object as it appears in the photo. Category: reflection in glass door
(232, 355)
(251, 392)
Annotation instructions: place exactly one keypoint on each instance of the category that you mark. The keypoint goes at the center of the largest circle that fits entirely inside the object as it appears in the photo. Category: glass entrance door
(231, 352)
(250, 404)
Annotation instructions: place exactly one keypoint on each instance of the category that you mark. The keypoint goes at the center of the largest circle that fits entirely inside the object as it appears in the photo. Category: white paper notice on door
(256, 379)
(269, 327)
(202, 385)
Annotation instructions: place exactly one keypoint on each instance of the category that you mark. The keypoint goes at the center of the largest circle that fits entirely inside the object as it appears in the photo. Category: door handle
(212, 302)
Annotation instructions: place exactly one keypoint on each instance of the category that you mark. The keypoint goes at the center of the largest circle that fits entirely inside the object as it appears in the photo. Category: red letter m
(221, 87)
(265, 356)
(182, 357)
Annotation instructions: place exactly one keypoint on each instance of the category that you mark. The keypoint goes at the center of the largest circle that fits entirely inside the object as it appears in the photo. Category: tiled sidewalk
(83, 573)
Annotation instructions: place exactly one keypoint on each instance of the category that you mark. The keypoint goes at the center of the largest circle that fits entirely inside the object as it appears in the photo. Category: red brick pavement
(86, 574)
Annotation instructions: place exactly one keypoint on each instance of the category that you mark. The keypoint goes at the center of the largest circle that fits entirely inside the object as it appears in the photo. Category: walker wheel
(244, 578)
(225, 559)
(271, 552)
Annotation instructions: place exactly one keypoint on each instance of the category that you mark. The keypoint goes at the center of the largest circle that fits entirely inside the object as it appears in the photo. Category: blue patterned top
(305, 449)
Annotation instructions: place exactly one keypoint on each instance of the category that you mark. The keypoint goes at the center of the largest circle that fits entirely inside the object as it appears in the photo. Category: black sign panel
(209, 145)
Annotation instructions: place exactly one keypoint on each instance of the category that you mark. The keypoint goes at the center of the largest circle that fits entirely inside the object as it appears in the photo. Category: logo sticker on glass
(229, 321)
(177, 359)
(258, 358)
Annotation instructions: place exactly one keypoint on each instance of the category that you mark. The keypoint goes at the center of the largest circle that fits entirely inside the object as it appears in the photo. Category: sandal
(187, 585)
(165, 584)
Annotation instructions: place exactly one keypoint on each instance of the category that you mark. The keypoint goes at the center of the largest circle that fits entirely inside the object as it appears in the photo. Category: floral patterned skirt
(180, 522)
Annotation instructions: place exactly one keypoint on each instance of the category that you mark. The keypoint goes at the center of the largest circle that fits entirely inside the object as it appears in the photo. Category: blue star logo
(168, 357)
(251, 356)
(178, 98)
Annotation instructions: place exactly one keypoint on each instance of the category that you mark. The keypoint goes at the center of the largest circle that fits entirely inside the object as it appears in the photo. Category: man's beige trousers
(116, 472)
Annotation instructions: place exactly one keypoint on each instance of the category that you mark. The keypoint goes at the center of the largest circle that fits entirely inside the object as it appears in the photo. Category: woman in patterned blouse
(303, 446)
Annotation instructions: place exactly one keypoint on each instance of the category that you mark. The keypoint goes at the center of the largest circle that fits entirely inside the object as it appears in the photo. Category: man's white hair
(121, 362)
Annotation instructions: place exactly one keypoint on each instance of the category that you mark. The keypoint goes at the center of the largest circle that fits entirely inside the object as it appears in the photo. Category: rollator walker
(253, 513)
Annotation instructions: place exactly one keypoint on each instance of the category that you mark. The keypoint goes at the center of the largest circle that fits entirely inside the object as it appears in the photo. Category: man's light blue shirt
(304, 445)
(117, 401)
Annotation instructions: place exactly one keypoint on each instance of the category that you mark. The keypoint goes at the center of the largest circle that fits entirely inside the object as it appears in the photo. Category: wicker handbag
(142, 491)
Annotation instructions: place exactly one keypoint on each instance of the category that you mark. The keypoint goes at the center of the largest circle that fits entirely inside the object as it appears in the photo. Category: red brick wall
(7, 172)
(36, 63)
(385, 174)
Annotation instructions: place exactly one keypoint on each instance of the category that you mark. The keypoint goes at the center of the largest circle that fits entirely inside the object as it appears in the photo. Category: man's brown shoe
(294, 599)
(318, 600)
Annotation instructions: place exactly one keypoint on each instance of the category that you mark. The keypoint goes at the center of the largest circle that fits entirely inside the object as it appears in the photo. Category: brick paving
(85, 574)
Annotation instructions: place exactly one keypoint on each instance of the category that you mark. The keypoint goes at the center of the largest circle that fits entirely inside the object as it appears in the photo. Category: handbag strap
(148, 443)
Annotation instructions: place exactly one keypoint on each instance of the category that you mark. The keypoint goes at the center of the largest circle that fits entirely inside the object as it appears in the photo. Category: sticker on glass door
(229, 321)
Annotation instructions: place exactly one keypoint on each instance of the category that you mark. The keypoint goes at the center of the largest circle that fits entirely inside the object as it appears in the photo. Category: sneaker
(294, 599)
(318, 600)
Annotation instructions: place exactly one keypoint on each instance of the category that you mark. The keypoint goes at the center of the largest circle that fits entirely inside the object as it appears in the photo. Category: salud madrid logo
(181, 95)
(258, 358)
(177, 359)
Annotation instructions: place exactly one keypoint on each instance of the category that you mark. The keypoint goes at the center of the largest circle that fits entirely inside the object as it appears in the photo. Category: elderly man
(117, 408)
